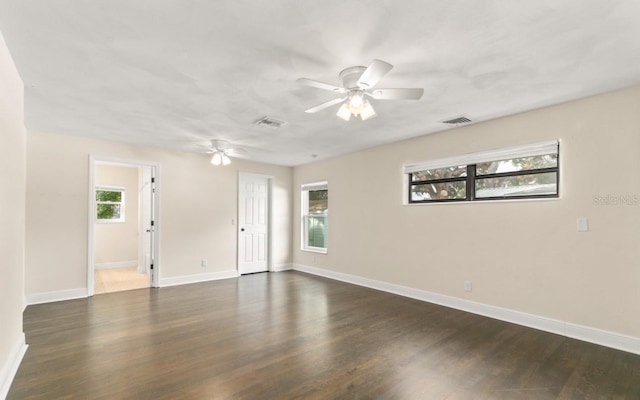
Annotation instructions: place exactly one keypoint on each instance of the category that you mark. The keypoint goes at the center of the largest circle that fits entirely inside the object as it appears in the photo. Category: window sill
(521, 200)
(314, 250)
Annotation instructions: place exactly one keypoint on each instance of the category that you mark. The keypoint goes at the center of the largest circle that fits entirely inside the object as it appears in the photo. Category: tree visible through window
(110, 205)
(518, 177)
(504, 177)
(317, 226)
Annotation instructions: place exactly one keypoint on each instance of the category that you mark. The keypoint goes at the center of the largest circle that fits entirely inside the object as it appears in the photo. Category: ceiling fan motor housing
(350, 76)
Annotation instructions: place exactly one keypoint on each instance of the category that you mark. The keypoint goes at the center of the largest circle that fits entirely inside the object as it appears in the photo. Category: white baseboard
(48, 297)
(614, 340)
(10, 367)
(282, 267)
(211, 276)
(116, 264)
(60, 295)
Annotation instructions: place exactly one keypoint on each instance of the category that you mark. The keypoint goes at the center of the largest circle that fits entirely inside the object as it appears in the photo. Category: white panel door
(253, 224)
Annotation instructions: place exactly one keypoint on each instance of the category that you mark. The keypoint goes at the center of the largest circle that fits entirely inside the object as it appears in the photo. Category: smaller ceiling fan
(358, 83)
(221, 151)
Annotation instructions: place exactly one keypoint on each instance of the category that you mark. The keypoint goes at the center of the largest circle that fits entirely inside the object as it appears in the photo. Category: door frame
(155, 167)
(145, 202)
(269, 179)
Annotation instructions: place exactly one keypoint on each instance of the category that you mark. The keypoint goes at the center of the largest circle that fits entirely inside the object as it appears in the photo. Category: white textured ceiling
(178, 73)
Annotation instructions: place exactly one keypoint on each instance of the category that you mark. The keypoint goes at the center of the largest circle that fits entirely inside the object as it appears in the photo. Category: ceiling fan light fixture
(356, 102)
(367, 111)
(356, 105)
(219, 157)
(216, 159)
(220, 150)
(225, 160)
(344, 112)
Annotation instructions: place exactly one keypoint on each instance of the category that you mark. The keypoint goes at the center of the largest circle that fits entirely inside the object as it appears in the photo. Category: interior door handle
(241, 229)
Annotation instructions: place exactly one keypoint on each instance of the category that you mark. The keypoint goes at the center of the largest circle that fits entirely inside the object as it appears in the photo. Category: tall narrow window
(315, 216)
(109, 204)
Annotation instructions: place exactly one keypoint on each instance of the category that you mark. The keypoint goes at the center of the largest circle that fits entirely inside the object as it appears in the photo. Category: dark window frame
(471, 180)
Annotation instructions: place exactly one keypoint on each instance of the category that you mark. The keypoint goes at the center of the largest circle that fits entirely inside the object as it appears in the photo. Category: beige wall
(118, 242)
(525, 256)
(197, 204)
(12, 211)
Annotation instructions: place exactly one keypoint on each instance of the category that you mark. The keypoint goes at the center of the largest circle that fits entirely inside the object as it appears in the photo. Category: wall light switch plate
(583, 224)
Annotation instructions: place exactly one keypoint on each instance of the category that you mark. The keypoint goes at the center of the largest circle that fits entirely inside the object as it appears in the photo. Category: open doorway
(122, 226)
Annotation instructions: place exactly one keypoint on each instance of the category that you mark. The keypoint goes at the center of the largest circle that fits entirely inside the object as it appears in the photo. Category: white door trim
(145, 202)
(93, 160)
(269, 178)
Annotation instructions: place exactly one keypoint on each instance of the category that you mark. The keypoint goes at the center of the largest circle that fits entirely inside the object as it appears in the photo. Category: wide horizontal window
(521, 172)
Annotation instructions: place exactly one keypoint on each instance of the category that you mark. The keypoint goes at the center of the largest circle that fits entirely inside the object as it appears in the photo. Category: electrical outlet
(468, 286)
(204, 263)
(313, 258)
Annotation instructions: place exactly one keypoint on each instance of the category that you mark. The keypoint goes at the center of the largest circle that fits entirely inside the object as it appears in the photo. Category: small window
(315, 217)
(523, 172)
(110, 204)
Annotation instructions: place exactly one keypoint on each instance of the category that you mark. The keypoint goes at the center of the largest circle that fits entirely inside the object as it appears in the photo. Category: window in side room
(109, 204)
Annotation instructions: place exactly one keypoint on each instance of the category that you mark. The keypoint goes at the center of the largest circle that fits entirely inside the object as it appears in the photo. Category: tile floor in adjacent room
(119, 279)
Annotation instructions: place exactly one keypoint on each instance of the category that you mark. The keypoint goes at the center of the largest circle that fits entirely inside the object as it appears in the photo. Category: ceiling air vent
(463, 119)
(270, 122)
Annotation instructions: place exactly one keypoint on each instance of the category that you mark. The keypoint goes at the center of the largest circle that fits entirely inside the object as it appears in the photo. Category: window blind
(535, 149)
(324, 185)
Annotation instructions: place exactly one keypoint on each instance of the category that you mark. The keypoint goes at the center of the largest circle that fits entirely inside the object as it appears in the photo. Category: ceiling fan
(222, 150)
(358, 83)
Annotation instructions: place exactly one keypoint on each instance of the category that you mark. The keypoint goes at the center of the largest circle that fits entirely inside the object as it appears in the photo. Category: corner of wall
(10, 367)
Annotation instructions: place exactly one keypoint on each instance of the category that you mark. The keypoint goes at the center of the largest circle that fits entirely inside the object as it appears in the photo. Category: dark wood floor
(289, 335)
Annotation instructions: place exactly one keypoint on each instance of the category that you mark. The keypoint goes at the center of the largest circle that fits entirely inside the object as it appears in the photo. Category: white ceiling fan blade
(325, 105)
(206, 149)
(321, 85)
(236, 151)
(397, 94)
(374, 72)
